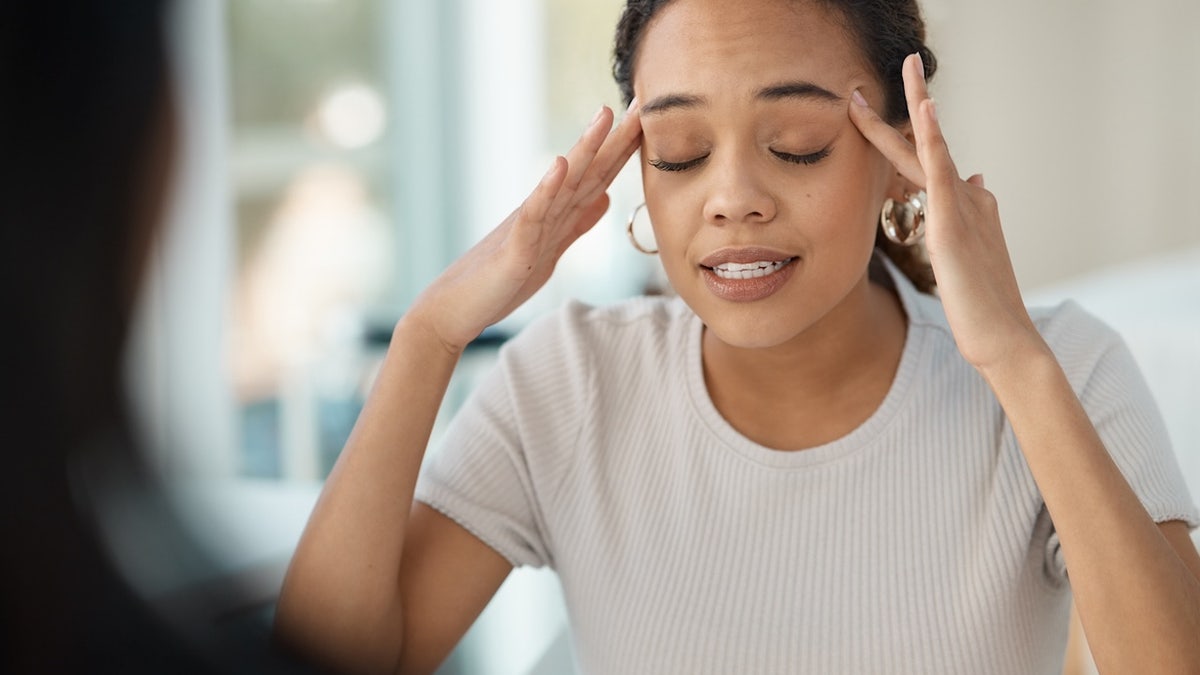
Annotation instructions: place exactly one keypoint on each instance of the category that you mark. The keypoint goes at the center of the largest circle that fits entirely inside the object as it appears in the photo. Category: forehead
(723, 47)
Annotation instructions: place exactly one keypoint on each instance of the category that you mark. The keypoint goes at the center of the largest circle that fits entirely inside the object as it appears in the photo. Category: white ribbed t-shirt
(917, 543)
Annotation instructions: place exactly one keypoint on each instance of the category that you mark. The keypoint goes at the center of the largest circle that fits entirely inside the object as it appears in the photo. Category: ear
(899, 186)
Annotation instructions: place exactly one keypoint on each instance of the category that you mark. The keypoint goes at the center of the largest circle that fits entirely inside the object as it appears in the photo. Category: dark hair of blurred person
(86, 132)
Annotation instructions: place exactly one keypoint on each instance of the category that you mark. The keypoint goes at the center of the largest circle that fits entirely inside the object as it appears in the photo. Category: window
(371, 143)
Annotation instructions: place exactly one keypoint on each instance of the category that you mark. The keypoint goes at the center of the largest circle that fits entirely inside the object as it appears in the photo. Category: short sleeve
(480, 477)
(503, 456)
(1121, 407)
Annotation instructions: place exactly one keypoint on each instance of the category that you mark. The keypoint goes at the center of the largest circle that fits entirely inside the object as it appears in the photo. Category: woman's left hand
(962, 231)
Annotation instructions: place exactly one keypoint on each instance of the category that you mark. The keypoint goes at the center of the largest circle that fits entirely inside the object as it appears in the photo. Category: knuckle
(979, 196)
(989, 202)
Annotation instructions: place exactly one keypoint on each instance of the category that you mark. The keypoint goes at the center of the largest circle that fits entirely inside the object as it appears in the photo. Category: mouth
(747, 274)
(750, 270)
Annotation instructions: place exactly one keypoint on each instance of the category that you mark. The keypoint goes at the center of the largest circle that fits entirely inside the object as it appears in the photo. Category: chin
(751, 327)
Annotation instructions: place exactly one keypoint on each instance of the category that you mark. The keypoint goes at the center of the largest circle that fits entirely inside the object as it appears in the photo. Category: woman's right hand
(512, 262)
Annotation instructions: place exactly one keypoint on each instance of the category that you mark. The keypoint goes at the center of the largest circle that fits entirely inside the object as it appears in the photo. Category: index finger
(887, 139)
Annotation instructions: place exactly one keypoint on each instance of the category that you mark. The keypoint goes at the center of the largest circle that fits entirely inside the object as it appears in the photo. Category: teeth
(748, 270)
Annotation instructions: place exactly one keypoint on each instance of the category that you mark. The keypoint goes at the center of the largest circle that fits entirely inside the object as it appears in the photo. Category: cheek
(669, 207)
(671, 210)
(874, 176)
(844, 202)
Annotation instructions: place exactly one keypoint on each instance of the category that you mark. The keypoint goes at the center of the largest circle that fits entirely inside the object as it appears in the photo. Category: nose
(737, 193)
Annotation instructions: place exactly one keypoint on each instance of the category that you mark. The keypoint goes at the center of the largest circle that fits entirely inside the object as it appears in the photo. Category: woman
(803, 463)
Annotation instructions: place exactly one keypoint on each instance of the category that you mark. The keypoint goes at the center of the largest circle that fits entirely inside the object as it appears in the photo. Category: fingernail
(920, 64)
(857, 97)
(933, 110)
(596, 118)
(632, 104)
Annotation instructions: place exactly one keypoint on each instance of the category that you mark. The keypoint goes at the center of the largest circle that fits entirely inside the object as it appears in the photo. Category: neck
(820, 384)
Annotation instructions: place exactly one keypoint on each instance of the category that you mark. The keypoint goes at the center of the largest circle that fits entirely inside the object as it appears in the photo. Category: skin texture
(827, 327)
(377, 586)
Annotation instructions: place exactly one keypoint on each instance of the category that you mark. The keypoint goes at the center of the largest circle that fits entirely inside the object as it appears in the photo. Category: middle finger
(915, 87)
(579, 158)
(612, 156)
(930, 143)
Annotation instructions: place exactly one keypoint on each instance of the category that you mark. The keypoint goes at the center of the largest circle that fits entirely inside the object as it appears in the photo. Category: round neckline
(858, 438)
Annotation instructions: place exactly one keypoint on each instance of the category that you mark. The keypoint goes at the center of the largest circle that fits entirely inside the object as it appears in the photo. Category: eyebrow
(800, 90)
(662, 104)
(805, 91)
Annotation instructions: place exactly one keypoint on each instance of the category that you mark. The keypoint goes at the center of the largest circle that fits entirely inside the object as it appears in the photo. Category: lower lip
(748, 290)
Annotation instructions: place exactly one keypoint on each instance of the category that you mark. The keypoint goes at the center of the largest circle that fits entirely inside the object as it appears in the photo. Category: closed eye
(808, 159)
(664, 165)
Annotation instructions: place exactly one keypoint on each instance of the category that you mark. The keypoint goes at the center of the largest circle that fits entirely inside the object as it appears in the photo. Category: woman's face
(763, 194)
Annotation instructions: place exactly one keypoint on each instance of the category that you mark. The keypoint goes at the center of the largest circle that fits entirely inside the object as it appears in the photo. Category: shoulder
(1084, 345)
(559, 357)
(1067, 324)
(635, 314)
(1081, 342)
(580, 333)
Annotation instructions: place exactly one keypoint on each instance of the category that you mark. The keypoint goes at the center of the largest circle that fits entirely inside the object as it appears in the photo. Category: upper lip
(744, 255)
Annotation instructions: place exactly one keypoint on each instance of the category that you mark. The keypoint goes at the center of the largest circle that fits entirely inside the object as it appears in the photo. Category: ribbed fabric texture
(918, 543)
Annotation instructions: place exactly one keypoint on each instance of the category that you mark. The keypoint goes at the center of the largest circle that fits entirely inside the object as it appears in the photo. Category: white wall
(1082, 116)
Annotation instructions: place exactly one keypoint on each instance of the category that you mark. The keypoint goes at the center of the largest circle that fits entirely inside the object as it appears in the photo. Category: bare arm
(339, 603)
(1136, 584)
(378, 584)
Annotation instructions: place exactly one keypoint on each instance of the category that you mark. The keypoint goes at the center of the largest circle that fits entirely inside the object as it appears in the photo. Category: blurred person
(829, 454)
(88, 138)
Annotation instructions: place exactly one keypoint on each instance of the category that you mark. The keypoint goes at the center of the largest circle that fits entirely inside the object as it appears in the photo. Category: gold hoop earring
(629, 230)
(904, 222)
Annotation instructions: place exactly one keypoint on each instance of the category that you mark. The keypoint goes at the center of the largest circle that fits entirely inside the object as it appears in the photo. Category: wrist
(416, 331)
(1023, 364)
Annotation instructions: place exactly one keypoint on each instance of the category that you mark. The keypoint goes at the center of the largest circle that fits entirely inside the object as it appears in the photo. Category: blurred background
(337, 154)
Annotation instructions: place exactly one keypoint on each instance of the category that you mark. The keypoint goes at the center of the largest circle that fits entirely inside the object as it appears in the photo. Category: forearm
(340, 599)
(1137, 600)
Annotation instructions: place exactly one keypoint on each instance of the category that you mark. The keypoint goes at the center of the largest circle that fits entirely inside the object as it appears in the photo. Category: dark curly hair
(886, 30)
